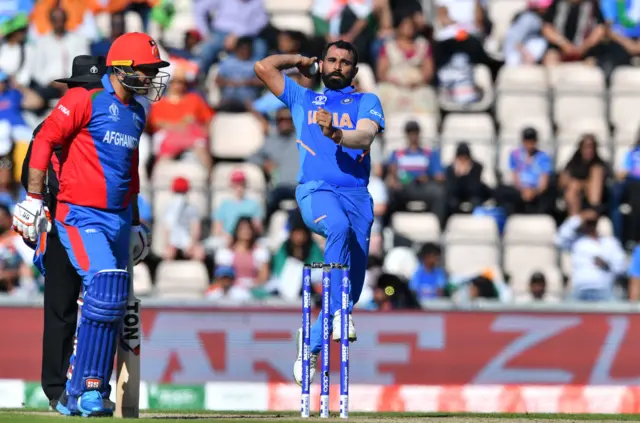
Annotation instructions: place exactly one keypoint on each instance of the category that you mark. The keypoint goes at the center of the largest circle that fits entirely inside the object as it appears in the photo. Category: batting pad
(105, 300)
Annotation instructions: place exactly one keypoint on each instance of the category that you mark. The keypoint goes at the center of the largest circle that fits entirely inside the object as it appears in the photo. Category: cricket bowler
(335, 130)
(99, 131)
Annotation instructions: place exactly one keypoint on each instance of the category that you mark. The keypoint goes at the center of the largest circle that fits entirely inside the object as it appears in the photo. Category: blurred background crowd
(509, 168)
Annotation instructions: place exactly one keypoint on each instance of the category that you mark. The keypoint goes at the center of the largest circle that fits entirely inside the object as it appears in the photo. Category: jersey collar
(346, 90)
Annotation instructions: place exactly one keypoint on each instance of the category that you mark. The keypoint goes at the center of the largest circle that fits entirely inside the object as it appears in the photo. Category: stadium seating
(417, 227)
(625, 99)
(471, 244)
(288, 6)
(563, 103)
(276, 234)
(142, 285)
(523, 79)
(181, 280)
(528, 242)
(166, 171)
(501, 14)
(255, 176)
(401, 261)
(235, 135)
(366, 78)
(294, 21)
(394, 132)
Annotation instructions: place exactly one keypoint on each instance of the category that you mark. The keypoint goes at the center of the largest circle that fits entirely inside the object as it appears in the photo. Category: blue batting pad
(105, 300)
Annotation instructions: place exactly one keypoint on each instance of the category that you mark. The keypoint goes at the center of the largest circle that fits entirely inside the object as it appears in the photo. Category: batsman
(335, 130)
(98, 130)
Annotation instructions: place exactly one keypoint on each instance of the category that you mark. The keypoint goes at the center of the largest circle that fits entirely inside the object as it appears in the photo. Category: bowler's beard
(335, 83)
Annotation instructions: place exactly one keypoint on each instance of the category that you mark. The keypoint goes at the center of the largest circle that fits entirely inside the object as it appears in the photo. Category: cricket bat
(128, 361)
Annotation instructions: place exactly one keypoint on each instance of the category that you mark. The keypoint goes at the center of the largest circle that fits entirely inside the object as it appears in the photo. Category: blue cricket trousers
(344, 216)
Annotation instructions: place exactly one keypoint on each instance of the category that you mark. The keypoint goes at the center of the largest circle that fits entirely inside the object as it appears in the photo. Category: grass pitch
(41, 416)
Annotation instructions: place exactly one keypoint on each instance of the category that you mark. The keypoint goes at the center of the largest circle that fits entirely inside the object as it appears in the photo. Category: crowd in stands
(509, 166)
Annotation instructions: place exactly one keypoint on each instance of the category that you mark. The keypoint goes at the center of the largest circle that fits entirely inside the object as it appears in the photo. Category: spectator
(10, 190)
(530, 172)
(225, 287)
(12, 266)
(464, 182)
(118, 27)
(430, 279)
(181, 221)
(482, 287)
(180, 122)
(227, 215)
(232, 20)
(583, 177)
(458, 48)
(11, 101)
(415, 174)
(298, 249)
(455, 60)
(523, 43)
(574, 30)
(629, 176)
(384, 29)
(414, 7)
(15, 52)
(346, 20)
(405, 70)
(249, 260)
(239, 85)
(466, 15)
(80, 19)
(596, 260)
(537, 291)
(380, 197)
(622, 33)
(392, 293)
(53, 56)
(290, 42)
(634, 275)
(537, 286)
(486, 284)
(14, 131)
(190, 47)
(279, 160)
(141, 7)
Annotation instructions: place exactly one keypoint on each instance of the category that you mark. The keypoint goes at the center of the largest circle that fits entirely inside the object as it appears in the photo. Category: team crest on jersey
(114, 112)
(320, 100)
(347, 100)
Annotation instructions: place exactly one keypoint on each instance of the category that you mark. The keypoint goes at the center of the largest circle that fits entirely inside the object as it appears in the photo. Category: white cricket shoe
(336, 328)
(297, 366)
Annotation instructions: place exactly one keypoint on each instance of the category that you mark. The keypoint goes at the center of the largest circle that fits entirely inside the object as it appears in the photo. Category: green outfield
(40, 416)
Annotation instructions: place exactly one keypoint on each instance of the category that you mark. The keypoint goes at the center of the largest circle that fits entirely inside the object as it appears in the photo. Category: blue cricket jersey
(631, 163)
(321, 159)
(634, 264)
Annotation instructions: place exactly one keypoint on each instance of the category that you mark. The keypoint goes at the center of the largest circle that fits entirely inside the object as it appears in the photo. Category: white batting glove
(31, 218)
(141, 241)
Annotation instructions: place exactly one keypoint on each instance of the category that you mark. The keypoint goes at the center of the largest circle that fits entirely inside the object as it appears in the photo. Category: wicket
(326, 339)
